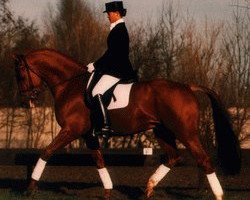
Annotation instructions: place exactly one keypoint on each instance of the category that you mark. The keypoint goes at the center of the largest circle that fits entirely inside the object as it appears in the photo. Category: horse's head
(28, 80)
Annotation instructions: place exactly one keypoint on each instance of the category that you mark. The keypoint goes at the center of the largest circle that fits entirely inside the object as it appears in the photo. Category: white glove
(90, 67)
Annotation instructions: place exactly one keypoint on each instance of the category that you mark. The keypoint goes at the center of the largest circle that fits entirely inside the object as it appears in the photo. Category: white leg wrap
(38, 170)
(215, 185)
(159, 174)
(105, 177)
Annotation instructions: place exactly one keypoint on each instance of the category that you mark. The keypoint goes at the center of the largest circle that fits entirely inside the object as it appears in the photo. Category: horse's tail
(228, 145)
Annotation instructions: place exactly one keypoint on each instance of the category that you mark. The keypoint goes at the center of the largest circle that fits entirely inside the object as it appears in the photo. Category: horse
(169, 108)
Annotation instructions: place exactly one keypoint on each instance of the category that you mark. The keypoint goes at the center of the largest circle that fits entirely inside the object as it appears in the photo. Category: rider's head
(115, 10)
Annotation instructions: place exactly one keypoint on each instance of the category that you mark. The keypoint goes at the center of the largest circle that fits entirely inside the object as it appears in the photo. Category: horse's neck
(66, 79)
(57, 70)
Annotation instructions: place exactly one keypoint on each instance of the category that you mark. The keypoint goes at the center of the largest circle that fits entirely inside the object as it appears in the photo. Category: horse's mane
(54, 52)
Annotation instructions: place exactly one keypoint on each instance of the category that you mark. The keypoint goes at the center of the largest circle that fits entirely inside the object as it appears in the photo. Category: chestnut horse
(169, 108)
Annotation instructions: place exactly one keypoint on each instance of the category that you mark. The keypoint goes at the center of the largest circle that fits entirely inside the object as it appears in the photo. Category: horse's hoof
(150, 188)
(149, 192)
(30, 193)
(107, 194)
(32, 188)
(219, 197)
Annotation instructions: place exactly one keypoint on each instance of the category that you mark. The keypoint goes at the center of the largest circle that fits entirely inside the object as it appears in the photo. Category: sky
(138, 10)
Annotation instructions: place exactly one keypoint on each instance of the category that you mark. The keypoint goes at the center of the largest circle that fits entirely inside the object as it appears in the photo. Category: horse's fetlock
(206, 165)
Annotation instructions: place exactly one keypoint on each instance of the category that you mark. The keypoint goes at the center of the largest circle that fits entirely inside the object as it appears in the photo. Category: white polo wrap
(105, 177)
(215, 185)
(38, 170)
(159, 174)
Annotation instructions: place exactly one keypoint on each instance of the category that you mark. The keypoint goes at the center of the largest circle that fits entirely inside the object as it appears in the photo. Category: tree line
(175, 47)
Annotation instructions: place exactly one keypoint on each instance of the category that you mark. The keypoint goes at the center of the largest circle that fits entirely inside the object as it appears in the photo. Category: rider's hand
(90, 67)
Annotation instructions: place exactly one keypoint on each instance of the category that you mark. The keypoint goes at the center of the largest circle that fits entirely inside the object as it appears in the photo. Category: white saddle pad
(121, 93)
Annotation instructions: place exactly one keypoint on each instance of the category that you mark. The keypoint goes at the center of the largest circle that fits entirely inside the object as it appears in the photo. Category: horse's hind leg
(92, 143)
(193, 144)
(167, 142)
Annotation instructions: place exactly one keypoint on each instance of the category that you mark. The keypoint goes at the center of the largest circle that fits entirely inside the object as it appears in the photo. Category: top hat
(114, 6)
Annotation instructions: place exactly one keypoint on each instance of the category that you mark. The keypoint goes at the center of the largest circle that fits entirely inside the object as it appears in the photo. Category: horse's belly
(131, 121)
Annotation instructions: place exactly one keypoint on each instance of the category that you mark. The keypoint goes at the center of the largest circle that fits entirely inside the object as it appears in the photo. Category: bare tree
(75, 31)
(158, 44)
(236, 52)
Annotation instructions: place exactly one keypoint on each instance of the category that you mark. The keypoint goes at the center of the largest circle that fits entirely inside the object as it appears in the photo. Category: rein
(67, 80)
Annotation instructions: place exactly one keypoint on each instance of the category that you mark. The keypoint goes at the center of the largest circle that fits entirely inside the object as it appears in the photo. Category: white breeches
(105, 82)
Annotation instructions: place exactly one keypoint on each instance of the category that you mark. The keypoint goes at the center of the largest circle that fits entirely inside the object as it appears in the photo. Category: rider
(114, 65)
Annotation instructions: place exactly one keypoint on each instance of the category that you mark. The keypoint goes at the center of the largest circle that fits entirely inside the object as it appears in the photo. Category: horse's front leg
(92, 143)
(64, 137)
(103, 173)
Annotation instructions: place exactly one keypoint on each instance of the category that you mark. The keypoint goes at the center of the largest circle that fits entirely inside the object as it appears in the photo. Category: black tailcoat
(115, 61)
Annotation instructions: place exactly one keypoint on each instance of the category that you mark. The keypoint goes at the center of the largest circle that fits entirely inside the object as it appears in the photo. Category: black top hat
(114, 6)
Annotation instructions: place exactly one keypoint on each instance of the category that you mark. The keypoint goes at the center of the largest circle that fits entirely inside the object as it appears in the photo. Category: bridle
(32, 91)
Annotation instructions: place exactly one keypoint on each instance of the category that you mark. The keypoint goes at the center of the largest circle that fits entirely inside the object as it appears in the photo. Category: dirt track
(129, 182)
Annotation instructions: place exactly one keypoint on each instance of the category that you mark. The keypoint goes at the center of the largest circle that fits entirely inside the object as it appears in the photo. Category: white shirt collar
(115, 23)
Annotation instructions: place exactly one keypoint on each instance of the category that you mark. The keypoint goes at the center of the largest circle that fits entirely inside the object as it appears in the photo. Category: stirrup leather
(106, 121)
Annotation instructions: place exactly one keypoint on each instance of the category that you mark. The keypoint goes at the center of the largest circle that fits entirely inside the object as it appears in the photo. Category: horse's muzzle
(29, 97)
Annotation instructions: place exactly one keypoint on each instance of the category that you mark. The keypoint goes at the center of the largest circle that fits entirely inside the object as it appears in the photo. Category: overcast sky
(137, 9)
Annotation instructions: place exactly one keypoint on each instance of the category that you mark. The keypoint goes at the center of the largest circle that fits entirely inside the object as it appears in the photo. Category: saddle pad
(121, 93)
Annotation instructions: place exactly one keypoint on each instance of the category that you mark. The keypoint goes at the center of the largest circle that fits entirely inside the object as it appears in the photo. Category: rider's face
(114, 16)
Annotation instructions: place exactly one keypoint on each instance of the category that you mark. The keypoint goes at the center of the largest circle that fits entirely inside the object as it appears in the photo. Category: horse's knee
(98, 158)
(79, 129)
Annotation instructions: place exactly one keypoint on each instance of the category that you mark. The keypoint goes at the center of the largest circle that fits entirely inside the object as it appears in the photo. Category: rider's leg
(102, 110)
(105, 82)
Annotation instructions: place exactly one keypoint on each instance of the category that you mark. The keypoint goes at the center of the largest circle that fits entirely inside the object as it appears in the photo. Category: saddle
(114, 98)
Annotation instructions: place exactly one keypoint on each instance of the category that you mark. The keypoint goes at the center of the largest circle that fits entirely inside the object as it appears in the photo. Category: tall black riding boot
(106, 121)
